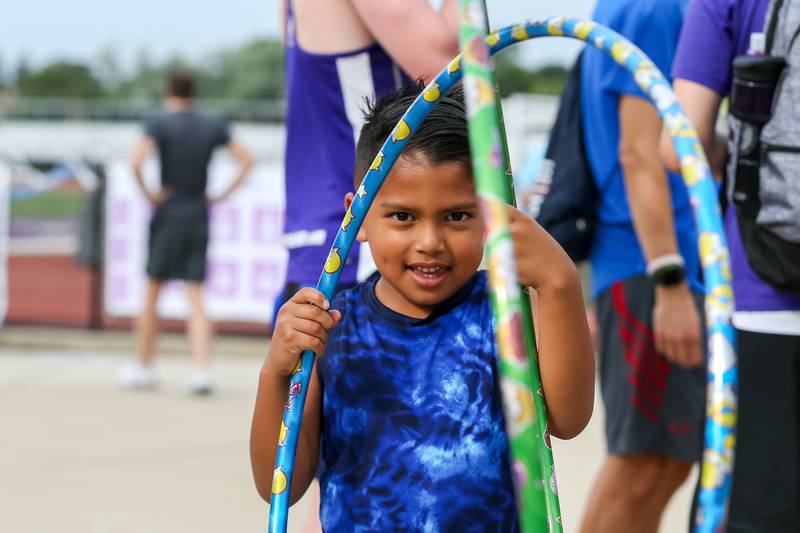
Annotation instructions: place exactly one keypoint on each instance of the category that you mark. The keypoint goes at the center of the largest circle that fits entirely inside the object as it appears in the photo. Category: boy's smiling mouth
(428, 274)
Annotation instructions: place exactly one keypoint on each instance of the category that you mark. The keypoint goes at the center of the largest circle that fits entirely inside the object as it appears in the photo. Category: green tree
(254, 71)
(22, 71)
(550, 80)
(513, 77)
(146, 82)
(59, 80)
(106, 68)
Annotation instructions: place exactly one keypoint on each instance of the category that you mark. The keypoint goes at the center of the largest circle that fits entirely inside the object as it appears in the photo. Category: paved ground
(77, 455)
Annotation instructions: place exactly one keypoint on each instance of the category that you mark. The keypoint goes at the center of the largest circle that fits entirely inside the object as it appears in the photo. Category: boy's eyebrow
(396, 206)
(463, 207)
(472, 205)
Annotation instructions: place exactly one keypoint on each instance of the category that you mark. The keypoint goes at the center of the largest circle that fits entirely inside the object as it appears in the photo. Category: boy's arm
(273, 389)
(566, 358)
(302, 324)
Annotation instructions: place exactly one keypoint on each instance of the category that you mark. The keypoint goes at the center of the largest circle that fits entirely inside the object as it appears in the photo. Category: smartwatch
(667, 270)
(669, 276)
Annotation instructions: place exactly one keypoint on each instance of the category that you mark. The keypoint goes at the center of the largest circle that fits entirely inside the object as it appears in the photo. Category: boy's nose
(429, 239)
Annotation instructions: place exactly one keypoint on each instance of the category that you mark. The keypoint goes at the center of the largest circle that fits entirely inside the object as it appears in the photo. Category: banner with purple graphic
(246, 260)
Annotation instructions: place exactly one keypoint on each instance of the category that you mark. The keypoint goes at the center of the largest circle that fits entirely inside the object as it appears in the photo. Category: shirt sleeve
(152, 128)
(706, 47)
(655, 28)
(223, 133)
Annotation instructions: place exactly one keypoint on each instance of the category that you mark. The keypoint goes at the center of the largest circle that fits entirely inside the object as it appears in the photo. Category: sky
(43, 30)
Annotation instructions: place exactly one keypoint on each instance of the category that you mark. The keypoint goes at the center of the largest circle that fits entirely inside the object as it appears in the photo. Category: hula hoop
(524, 407)
(722, 372)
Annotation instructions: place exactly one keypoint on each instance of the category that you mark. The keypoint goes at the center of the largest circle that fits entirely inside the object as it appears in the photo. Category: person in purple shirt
(766, 480)
(339, 52)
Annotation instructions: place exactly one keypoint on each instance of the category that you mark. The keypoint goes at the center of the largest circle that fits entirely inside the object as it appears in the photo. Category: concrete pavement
(78, 455)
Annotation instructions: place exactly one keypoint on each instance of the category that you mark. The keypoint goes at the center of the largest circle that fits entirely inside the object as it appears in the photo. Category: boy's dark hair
(181, 84)
(442, 137)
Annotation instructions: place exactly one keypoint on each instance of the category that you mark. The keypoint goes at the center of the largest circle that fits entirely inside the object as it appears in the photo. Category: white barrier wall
(246, 261)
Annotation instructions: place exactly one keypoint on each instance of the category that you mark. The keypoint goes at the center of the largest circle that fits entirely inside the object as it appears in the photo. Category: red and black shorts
(652, 405)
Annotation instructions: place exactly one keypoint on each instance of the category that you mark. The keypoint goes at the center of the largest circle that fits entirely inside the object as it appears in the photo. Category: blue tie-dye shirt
(413, 437)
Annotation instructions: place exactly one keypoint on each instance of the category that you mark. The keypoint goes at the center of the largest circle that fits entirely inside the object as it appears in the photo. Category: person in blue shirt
(404, 403)
(646, 282)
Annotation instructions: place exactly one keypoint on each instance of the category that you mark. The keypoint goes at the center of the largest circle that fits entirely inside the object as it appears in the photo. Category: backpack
(765, 149)
(568, 210)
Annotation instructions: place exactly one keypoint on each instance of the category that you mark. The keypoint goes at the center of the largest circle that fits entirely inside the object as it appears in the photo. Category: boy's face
(425, 234)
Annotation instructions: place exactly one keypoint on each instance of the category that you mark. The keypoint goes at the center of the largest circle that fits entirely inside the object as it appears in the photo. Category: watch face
(668, 276)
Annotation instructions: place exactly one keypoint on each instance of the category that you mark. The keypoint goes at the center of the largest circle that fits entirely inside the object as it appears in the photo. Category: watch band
(665, 261)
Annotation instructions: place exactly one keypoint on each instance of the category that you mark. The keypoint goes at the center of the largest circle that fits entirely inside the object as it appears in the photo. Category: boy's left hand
(541, 262)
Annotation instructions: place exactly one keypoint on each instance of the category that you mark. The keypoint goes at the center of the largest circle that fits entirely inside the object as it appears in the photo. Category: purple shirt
(324, 100)
(714, 33)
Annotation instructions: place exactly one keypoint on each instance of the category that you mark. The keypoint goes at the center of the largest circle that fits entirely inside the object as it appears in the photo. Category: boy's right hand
(302, 324)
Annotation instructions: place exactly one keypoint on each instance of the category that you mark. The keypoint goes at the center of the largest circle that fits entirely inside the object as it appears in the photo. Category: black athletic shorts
(652, 405)
(766, 477)
(178, 240)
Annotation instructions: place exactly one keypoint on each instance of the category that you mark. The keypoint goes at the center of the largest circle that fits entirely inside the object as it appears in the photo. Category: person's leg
(631, 493)
(147, 324)
(674, 473)
(192, 230)
(198, 326)
(654, 413)
(765, 494)
(140, 375)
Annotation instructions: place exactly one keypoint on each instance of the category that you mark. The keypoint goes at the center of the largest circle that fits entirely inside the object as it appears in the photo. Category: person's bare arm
(302, 324)
(701, 105)
(282, 15)
(420, 39)
(140, 153)
(676, 322)
(566, 358)
(245, 160)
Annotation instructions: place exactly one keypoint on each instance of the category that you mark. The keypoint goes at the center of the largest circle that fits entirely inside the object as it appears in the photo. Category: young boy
(405, 399)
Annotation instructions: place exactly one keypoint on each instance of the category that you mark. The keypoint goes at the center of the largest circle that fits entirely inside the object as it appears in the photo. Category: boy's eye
(401, 217)
(458, 216)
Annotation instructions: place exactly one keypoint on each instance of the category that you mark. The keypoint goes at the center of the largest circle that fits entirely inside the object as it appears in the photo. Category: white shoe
(200, 383)
(135, 376)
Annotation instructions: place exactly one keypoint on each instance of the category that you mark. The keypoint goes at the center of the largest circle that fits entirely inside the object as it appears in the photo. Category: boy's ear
(348, 201)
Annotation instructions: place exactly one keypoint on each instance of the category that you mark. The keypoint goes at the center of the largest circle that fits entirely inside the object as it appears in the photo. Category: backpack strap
(794, 38)
(772, 24)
